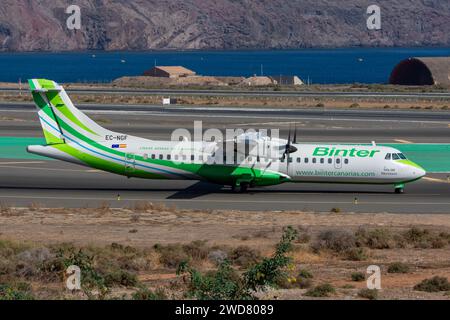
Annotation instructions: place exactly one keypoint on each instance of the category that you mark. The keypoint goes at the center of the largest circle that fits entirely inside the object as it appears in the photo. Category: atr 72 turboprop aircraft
(73, 137)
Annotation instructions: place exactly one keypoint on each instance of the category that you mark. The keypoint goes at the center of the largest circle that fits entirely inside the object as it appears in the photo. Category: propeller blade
(295, 134)
(289, 136)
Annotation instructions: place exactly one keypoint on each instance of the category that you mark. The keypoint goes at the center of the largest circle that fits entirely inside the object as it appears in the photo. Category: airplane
(73, 137)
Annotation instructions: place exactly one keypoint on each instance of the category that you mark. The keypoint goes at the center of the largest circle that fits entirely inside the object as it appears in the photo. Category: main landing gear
(241, 188)
(399, 188)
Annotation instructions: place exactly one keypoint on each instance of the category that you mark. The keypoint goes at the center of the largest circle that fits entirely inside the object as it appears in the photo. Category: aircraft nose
(418, 171)
(421, 173)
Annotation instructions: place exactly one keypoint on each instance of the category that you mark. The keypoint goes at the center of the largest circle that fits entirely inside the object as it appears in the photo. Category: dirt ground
(259, 230)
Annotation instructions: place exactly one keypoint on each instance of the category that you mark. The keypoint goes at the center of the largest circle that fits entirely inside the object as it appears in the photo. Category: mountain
(40, 25)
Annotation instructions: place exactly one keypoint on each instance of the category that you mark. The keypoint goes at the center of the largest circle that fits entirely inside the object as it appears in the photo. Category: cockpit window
(402, 156)
(388, 156)
(395, 156)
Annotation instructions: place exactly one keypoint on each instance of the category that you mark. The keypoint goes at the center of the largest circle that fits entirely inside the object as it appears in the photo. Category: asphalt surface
(58, 184)
(251, 93)
(254, 113)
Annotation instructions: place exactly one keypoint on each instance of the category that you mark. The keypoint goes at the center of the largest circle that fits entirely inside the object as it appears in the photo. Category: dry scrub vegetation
(384, 103)
(150, 251)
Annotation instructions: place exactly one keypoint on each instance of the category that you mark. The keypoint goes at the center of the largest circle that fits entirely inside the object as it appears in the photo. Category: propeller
(289, 148)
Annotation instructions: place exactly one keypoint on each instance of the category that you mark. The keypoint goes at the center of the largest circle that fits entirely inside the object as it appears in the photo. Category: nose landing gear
(400, 188)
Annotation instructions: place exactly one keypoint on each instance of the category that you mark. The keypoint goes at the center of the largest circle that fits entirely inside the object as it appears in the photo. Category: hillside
(220, 24)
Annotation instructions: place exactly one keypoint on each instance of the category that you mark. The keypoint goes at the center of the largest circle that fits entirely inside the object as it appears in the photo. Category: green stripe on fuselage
(59, 104)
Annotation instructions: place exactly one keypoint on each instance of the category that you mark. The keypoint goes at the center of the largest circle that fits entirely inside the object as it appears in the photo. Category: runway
(56, 184)
(251, 93)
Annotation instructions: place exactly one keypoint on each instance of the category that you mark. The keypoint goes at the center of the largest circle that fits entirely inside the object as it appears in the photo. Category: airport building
(287, 80)
(169, 72)
(422, 71)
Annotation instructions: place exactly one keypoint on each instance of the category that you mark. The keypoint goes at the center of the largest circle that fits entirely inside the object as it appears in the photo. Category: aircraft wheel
(243, 187)
(399, 190)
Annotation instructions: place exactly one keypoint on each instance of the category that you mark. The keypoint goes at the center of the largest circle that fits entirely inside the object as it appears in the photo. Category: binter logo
(333, 152)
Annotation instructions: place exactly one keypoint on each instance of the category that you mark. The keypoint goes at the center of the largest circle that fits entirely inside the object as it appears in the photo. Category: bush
(302, 281)
(16, 291)
(244, 256)
(398, 267)
(223, 284)
(196, 250)
(171, 255)
(358, 276)
(416, 234)
(227, 284)
(348, 286)
(291, 283)
(338, 241)
(305, 274)
(371, 294)
(375, 239)
(323, 290)
(217, 256)
(356, 254)
(270, 269)
(146, 294)
(30, 262)
(435, 284)
(303, 235)
(121, 277)
(423, 238)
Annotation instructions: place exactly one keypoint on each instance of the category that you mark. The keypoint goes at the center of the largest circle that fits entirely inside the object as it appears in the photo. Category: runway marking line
(21, 162)
(403, 141)
(49, 169)
(436, 180)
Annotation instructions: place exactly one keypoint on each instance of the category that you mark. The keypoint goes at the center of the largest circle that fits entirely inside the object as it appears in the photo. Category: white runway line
(403, 141)
(21, 162)
(436, 180)
(49, 169)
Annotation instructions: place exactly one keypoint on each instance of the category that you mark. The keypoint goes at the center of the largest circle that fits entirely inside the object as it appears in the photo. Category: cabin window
(338, 160)
(282, 159)
(176, 157)
(314, 160)
(169, 157)
(346, 161)
(200, 158)
(402, 156)
(306, 160)
(395, 157)
(322, 160)
(153, 156)
(330, 161)
(145, 156)
(290, 160)
(192, 157)
(161, 157)
(184, 157)
(299, 160)
(388, 156)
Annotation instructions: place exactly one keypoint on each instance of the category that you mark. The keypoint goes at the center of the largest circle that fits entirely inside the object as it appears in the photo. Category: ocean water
(324, 66)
